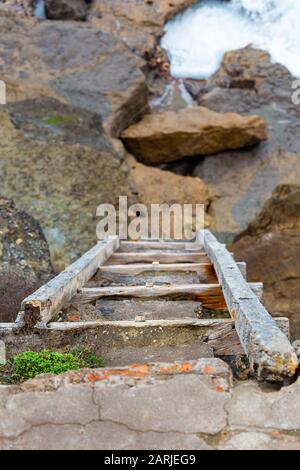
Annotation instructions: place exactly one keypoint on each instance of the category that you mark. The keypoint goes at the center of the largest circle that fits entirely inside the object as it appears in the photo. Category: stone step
(130, 309)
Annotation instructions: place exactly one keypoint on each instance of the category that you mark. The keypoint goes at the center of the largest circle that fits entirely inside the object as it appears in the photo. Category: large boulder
(271, 248)
(169, 136)
(249, 83)
(66, 9)
(75, 63)
(137, 22)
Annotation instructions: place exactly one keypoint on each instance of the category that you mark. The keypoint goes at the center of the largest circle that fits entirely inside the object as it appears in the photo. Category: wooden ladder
(155, 293)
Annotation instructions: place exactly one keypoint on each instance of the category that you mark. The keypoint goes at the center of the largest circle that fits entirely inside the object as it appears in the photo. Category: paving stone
(100, 435)
(250, 406)
(166, 405)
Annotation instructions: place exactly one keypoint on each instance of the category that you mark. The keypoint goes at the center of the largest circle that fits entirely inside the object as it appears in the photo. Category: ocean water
(197, 39)
(39, 9)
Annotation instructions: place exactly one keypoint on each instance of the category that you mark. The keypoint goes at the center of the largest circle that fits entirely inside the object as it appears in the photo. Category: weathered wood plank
(210, 295)
(128, 246)
(129, 309)
(204, 270)
(157, 256)
(268, 349)
(46, 302)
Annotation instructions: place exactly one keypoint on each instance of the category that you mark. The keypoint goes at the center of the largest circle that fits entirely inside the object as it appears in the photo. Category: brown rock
(66, 9)
(22, 243)
(55, 179)
(169, 136)
(271, 248)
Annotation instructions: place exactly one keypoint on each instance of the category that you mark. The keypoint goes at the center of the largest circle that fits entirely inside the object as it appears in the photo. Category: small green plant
(27, 365)
(89, 358)
(58, 120)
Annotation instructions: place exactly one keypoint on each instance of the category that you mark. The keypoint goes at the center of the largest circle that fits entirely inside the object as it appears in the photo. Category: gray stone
(2, 353)
(166, 406)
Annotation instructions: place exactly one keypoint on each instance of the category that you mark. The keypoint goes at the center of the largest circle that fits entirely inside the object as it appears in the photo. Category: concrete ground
(185, 405)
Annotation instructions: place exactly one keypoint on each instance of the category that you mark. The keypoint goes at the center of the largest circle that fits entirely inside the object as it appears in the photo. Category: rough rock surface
(61, 182)
(93, 70)
(249, 83)
(169, 136)
(271, 248)
(149, 406)
(66, 9)
(137, 22)
(22, 243)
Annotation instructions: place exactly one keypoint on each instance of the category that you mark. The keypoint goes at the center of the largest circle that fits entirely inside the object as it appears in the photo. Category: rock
(155, 186)
(66, 9)
(169, 136)
(137, 23)
(55, 179)
(93, 70)
(249, 83)
(274, 410)
(21, 7)
(271, 247)
(23, 245)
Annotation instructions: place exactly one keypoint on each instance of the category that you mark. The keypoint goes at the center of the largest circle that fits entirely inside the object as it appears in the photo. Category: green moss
(60, 120)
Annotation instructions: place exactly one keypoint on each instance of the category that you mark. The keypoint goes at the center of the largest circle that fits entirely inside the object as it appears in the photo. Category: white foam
(197, 39)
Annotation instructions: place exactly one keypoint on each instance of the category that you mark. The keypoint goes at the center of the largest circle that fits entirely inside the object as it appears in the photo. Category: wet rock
(271, 248)
(66, 9)
(75, 63)
(249, 83)
(137, 23)
(169, 136)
